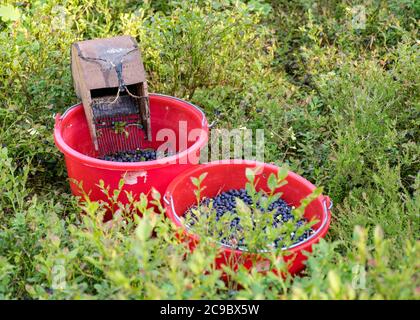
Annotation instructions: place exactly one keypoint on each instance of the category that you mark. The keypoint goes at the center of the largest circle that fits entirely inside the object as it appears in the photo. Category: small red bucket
(226, 175)
(170, 117)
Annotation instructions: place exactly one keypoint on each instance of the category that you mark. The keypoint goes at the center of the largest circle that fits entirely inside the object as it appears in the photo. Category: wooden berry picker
(113, 135)
(109, 78)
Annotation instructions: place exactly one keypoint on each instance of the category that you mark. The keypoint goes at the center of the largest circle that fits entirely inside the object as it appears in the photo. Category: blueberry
(137, 155)
(235, 222)
(282, 212)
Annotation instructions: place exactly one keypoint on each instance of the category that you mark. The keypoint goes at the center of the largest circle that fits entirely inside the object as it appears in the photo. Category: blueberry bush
(334, 85)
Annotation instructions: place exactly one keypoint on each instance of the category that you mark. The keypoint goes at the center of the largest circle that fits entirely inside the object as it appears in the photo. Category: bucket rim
(129, 166)
(170, 212)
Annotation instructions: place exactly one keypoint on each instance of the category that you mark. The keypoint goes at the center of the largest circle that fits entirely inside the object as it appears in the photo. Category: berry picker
(109, 78)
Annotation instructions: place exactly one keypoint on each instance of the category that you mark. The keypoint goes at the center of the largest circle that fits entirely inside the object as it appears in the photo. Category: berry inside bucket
(227, 175)
(225, 210)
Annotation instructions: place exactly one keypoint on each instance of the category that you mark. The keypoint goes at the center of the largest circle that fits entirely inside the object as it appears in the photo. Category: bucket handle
(165, 199)
(326, 209)
(170, 202)
(61, 117)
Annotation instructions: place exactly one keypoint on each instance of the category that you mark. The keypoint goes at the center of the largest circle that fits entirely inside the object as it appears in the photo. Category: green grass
(339, 106)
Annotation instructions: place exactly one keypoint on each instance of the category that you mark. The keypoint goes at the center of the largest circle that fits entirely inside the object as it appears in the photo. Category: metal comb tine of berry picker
(109, 77)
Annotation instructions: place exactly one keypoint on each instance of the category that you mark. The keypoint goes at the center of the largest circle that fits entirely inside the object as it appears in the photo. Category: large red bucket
(226, 175)
(183, 121)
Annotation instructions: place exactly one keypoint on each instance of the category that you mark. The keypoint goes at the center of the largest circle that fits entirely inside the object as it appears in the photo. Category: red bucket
(226, 175)
(168, 114)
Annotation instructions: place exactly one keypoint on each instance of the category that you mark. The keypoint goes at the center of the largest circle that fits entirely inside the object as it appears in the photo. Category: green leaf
(282, 173)
(299, 211)
(272, 182)
(155, 194)
(250, 189)
(121, 184)
(144, 230)
(242, 208)
(250, 174)
(203, 176)
(9, 13)
(275, 197)
(195, 181)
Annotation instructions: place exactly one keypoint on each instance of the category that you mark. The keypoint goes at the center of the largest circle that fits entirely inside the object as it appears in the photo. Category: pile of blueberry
(131, 156)
(225, 203)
